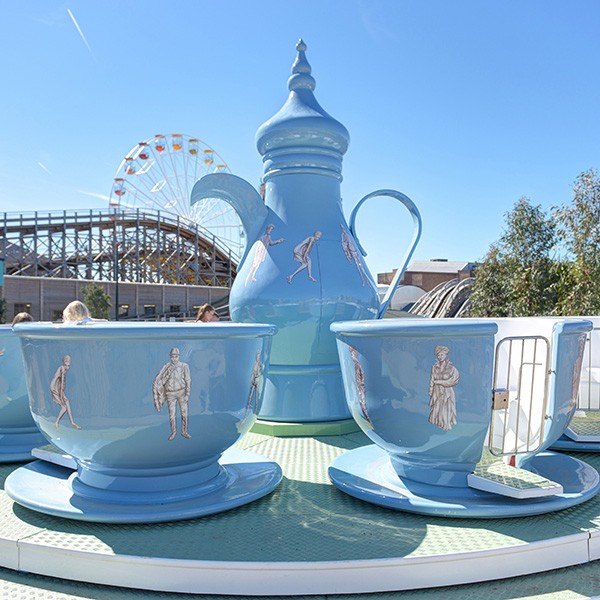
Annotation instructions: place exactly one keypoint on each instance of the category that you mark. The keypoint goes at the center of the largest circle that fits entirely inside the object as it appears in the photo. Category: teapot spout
(242, 196)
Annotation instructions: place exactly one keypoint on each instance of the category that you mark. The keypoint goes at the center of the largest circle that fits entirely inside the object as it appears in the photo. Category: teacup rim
(143, 329)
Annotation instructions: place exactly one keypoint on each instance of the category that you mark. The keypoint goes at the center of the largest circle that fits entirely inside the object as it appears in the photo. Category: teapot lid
(303, 129)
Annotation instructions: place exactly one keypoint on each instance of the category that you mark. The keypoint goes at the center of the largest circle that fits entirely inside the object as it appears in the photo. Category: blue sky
(465, 106)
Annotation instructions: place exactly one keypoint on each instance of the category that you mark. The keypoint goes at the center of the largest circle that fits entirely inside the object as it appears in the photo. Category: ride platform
(305, 538)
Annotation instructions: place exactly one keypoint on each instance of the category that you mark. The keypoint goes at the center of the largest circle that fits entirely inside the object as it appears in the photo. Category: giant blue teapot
(303, 266)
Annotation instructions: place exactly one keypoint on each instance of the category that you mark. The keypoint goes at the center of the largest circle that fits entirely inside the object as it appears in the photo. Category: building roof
(439, 266)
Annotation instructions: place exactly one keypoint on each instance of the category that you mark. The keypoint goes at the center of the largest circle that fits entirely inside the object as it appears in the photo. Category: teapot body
(303, 272)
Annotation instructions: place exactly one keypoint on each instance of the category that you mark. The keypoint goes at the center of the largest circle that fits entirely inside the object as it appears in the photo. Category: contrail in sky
(80, 32)
(94, 195)
(44, 167)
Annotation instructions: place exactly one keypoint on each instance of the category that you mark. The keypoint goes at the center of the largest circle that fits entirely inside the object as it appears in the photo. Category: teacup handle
(417, 227)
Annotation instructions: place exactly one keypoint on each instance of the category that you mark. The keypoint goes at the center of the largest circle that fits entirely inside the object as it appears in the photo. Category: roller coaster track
(140, 246)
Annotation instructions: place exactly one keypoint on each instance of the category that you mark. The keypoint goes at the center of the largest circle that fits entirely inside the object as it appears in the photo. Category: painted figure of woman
(260, 252)
(302, 255)
(442, 402)
(58, 387)
(577, 373)
(359, 376)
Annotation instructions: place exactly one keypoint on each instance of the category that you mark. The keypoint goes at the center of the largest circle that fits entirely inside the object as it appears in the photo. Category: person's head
(207, 313)
(22, 317)
(75, 311)
(174, 355)
(317, 235)
(66, 361)
(270, 227)
(441, 352)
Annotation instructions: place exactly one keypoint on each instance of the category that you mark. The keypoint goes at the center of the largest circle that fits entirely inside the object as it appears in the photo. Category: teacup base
(16, 446)
(49, 488)
(367, 473)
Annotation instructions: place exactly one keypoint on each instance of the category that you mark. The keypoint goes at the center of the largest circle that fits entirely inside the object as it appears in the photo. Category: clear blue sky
(465, 106)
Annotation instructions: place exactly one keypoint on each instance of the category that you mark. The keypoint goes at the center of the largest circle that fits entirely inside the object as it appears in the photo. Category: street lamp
(116, 278)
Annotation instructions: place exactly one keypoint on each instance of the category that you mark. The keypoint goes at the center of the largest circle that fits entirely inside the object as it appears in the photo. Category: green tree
(578, 229)
(518, 276)
(97, 301)
(489, 295)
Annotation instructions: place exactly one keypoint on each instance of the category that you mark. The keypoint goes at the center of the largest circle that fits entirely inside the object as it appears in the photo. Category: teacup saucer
(48, 488)
(367, 473)
(566, 443)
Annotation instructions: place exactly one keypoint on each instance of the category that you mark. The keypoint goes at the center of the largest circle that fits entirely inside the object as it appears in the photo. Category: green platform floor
(305, 519)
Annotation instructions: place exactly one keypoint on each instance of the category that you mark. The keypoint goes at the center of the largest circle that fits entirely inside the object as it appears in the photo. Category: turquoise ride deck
(306, 538)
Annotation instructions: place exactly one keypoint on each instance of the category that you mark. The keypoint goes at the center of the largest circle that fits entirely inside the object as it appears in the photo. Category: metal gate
(589, 388)
(521, 371)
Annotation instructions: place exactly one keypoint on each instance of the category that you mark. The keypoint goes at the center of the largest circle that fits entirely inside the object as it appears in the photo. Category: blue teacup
(18, 432)
(420, 389)
(147, 410)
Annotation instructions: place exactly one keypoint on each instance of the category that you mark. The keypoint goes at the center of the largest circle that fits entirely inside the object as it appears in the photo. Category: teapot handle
(417, 227)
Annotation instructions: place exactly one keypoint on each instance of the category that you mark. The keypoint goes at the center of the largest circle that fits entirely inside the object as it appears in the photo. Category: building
(429, 274)
(44, 298)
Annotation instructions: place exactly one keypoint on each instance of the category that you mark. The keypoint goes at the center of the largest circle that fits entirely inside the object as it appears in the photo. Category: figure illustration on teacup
(302, 255)
(577, 372)
(173, 384)
(58, 387)
(442, 402)
(352, 254)
(359, 376)
(260, 252)
(257, 370)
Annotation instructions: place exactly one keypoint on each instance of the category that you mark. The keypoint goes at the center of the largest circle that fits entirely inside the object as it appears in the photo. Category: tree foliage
(579, 234)
(517, 276)
(545, 265)
(97, 301)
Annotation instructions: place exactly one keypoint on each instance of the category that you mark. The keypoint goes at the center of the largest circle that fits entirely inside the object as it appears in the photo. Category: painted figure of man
(442, 402)
(58, 387)
(173, 384)
(351, 252)
(359, 376)
(260, 252)
(302, 255)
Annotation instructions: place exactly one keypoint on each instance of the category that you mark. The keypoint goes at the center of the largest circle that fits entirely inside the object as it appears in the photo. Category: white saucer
(48, 488)
(367, 473)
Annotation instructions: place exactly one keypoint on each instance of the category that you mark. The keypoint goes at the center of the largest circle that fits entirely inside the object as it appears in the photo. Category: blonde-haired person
(22, 317)
(207, 314)
(76, 312)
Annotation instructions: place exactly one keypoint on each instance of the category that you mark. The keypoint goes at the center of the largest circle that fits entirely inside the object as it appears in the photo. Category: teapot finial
(301, 78)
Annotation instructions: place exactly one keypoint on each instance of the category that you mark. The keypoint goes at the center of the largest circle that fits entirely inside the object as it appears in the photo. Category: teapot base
(304, 394)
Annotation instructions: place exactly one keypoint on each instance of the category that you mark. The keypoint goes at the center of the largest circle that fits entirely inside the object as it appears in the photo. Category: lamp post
(2, 289)
(116, 277)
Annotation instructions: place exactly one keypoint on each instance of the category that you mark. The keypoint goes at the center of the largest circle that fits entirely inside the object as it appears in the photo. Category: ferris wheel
(159, 174)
